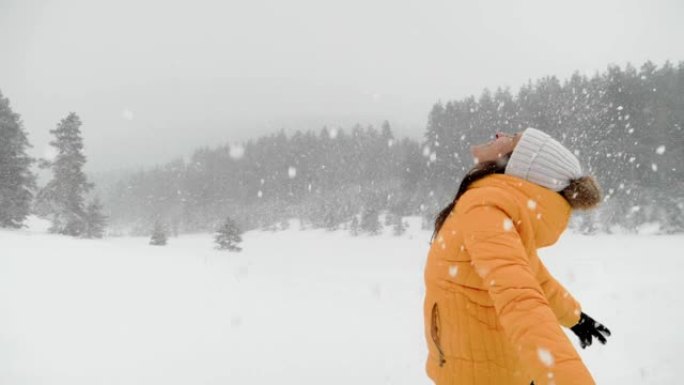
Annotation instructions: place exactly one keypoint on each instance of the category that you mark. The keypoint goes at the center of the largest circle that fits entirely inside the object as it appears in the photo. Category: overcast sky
(152, 80)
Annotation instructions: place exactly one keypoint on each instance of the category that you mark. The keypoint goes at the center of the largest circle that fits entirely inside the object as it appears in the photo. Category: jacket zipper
(434, 332)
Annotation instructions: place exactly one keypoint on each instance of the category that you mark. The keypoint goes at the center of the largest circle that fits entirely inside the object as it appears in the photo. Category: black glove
(587, 328)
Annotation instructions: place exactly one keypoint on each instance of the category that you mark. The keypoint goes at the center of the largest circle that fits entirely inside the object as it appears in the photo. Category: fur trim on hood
(583, 193)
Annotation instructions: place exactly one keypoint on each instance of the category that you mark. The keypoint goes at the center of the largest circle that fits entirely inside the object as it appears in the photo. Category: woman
(492, 310)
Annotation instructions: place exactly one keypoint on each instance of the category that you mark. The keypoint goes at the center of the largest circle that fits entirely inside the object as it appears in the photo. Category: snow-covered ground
(295, 307)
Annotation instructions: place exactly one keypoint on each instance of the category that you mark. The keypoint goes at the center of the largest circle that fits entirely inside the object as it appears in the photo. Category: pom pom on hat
(543, 160)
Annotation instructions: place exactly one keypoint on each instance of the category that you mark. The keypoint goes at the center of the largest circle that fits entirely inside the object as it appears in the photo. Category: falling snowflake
(441, 242)
(433, 157)
(291, 172)
(235, 321)
(333, 133)
(531, 204)
(259, 194)
(453, 270)
(426, 151)
(50, 153)
(654, 167)
(236, 151)
(539, 216)
(660, 150)
(507, 224)
(127, 114)
(545, 356)
(376, 289)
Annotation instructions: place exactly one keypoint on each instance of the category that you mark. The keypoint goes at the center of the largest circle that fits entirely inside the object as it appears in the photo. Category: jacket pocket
(435, 330)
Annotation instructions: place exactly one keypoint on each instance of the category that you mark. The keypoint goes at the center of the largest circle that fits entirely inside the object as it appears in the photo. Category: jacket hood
(549, 211)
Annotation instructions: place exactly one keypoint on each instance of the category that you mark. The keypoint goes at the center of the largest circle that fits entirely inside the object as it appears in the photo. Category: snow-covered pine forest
(625, 123)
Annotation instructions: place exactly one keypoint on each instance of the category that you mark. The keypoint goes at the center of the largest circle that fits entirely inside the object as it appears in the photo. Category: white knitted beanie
(541, 159)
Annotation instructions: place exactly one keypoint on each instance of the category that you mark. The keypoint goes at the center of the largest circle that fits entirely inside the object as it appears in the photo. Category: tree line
(322, 179)
(625, 125)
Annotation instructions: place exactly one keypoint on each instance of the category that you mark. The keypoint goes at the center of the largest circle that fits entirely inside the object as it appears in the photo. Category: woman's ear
(583, 193)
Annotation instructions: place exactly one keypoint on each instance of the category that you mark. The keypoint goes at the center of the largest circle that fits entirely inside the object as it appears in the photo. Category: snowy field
(295, 307)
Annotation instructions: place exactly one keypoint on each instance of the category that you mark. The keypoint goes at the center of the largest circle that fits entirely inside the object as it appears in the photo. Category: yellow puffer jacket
(493, 313)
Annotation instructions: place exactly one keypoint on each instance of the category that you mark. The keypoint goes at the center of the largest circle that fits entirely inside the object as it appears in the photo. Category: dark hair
(478, 171)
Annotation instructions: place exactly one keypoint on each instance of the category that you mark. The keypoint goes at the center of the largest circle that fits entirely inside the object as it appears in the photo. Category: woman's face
(502, 144)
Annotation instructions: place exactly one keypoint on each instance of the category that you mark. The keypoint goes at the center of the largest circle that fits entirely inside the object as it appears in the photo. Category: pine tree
(330, 221)
(284, 224)
(330, 213)
(398, 225)
(388, 219)
(64, 194)
(369, 220)
(95, 220)
(354, 226)
(16, 179)
(228, 236)
(159, 236)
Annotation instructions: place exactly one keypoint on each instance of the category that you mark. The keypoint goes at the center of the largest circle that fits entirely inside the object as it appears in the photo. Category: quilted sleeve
(564, 305)
(500, 259)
